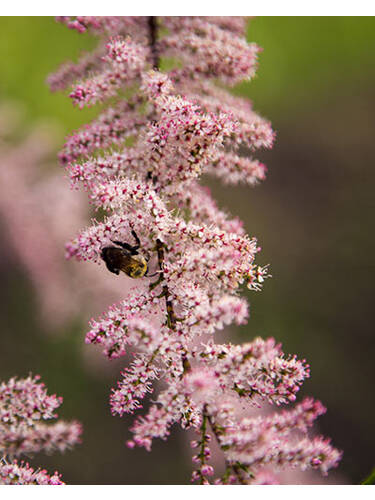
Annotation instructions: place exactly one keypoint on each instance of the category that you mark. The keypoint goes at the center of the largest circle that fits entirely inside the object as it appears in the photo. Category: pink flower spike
(182, 261)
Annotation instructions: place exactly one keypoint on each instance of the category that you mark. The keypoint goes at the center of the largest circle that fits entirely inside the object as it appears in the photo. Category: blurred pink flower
(34, 204)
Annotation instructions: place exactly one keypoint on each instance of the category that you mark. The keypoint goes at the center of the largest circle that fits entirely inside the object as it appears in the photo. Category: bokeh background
(313, 217)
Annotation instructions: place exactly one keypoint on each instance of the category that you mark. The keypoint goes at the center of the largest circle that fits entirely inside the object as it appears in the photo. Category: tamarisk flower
(233, 169)
(110, 25)
(70, 71)
(24, 408)
(140, 163)
(208, 51)
(124, 59)
(15, 473)
(266, 440)
(113, 126)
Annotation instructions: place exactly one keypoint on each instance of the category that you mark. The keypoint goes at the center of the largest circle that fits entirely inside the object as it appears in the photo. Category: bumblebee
(125, 258)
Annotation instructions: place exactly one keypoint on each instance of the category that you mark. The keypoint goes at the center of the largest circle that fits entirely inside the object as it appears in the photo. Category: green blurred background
(313, 217)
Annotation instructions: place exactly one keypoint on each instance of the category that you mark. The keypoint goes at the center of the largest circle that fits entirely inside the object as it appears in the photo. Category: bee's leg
(113, 270)
(126, 246)
(138, 243)
(151, 275)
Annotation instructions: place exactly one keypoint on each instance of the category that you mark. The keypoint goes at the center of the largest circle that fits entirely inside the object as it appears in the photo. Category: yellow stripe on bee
(137, 269)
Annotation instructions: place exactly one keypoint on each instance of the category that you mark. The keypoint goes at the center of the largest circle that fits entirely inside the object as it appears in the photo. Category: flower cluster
(140, 162)
(125, 60)
(15, 473)
(24, 408)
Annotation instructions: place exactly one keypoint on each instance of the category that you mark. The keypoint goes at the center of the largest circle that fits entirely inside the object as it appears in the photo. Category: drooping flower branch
(140, 162)
(24, 408)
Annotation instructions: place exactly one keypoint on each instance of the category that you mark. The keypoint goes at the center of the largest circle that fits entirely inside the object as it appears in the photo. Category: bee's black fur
(120, 259)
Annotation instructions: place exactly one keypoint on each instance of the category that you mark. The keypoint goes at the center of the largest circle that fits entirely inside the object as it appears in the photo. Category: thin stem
(238, 471)
(202, 457)
(171, 315)
(236, 467)
(152, 35)
(153, 31)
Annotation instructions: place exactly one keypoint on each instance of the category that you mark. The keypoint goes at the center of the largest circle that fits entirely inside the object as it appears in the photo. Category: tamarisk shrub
(140, 162)
(24, 407)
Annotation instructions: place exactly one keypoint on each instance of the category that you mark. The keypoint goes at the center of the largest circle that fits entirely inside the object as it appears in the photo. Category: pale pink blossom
(112, 127)
(233, 169)
(70, 72)
(108, 25)
(248, 128)
(124, 62)
(25, 407)
(22, 473)
(208, 51)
